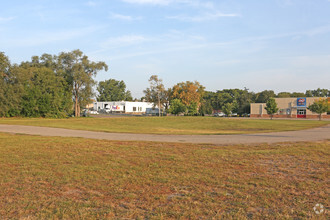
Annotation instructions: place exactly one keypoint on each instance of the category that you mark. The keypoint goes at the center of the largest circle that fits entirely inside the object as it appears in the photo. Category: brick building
(288, 108)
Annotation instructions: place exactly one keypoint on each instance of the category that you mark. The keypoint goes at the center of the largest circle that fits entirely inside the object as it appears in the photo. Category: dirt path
(315, 134)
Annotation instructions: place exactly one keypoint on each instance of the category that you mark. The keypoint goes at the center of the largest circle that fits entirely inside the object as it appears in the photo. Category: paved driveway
(315, 134)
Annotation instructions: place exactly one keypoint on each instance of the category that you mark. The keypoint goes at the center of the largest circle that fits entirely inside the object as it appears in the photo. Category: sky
(282, 45)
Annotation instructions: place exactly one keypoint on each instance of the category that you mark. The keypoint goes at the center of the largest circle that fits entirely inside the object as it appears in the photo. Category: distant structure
(288, 108)
(123, 107)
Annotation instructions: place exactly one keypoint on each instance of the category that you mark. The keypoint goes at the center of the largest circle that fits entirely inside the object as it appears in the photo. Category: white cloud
(203, 17)
(124, 17)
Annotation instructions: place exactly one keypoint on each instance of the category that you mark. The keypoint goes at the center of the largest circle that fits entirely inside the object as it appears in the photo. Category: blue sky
(281, 45)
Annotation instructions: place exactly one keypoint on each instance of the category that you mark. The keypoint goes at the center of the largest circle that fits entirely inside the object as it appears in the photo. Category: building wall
(257, 109)
(113, 106)
(125, 107)
(137, 107)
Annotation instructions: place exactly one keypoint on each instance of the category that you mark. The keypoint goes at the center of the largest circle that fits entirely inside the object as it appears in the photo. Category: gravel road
(315, 134)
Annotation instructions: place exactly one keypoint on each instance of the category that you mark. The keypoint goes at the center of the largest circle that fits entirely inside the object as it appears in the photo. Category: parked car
(219, 114)
(93, 112)
(233, 115)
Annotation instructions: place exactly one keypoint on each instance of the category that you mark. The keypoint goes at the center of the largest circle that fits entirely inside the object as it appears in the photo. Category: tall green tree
(79, 71)
(271, 107)
(113, 90)
(320, 106)
(156, 93)
(4, 84)
(45, 94)
(244, 99)
(10, 88)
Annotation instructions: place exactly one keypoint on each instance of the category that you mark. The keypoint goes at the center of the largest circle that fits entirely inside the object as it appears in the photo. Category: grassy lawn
(170, 125)
(71, 178)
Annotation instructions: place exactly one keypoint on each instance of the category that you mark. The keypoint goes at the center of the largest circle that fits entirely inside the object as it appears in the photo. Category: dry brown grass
(48, 177)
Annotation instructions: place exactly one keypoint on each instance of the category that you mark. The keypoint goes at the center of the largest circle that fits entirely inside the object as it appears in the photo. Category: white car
(93, 112)
(219, 114)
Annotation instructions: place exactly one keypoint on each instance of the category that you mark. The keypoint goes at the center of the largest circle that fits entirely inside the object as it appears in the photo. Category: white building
(123, 107)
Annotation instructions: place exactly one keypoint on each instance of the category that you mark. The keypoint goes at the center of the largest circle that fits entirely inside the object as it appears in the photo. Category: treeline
(60, 85)
(47, 86)
(190, 98)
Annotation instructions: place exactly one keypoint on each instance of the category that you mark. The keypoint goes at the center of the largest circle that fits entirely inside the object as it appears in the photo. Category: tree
(318, 93)
(45, 94)
(284, 95)
(4, 65)
(271, 107)
(240, 98)
(227, 108)
(298, 94)
(244, 100)
(205, 108)
(263, 96)
(320, 106)
(79, 72)
(113, 90)
(177, 107)
(156, 93)
(10, 88)
(192, 109)
(190, 94)
(4, 84)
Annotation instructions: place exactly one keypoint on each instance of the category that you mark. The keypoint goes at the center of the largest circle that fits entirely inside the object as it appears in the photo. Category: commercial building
(122, 107)
(288, 108)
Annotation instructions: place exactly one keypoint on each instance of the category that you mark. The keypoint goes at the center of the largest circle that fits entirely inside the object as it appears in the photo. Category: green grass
(170, 125)
(72, 178)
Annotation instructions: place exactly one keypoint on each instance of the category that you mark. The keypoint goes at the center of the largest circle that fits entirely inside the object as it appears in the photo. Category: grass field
(71, 178)
(170, 125)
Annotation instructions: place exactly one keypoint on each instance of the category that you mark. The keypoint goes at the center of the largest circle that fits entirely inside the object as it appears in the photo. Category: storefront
(301, 108)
